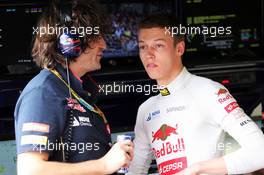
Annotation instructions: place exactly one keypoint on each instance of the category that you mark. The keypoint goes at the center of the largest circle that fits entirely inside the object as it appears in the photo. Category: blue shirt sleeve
(39, 121)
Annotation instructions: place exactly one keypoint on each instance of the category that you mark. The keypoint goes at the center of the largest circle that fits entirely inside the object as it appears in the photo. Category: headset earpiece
(69, 44)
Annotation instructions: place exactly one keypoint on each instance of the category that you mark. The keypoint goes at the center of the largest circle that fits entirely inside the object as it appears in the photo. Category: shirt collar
(177, 83)
(86, 89)
(75, 75)
(74, 82)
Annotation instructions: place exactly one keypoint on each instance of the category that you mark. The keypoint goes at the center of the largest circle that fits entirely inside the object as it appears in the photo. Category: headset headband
(65, 12)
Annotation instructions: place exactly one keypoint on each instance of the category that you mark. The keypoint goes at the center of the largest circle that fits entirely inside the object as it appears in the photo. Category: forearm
(35, 163)
(245, 160)
(239, 162)
(213, 166)
(42, 167)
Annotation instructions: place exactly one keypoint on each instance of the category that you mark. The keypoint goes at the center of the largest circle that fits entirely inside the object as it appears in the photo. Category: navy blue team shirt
(47, 121)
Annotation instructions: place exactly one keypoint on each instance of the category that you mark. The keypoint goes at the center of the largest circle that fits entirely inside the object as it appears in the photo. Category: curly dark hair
(85, 13)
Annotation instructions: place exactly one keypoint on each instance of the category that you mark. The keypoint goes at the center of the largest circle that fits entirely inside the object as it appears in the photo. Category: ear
(180, 47)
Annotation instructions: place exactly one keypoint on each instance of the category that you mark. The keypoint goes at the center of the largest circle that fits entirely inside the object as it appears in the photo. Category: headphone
(69, 45)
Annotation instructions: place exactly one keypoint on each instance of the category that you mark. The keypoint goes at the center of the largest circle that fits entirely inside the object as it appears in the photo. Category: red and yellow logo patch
(34, 126)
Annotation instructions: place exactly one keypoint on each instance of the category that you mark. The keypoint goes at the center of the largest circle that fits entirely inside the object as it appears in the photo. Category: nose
(102, 43)
(150, 53)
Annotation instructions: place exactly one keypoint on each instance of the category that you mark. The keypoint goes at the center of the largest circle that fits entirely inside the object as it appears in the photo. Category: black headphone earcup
(69, 45)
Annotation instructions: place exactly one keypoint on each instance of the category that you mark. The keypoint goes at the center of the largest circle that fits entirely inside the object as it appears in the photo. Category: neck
(171, 77)
(76, 69)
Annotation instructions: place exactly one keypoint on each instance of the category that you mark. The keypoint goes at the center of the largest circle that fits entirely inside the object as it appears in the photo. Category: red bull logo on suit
(169, 149)
(164, 132)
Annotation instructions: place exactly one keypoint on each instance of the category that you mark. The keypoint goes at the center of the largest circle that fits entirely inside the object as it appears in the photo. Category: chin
(154, 75)
(94, 68)
(98, 67)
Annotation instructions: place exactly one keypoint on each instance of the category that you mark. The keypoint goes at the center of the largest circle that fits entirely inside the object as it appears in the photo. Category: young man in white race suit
(183, 126)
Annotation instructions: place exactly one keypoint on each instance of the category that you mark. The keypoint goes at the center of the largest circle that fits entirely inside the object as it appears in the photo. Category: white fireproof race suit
(185, 124)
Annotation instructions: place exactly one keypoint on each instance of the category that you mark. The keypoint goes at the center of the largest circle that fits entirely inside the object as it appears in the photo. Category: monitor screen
(18, 21)
(125, 16)
(222, 28)
(16, 29)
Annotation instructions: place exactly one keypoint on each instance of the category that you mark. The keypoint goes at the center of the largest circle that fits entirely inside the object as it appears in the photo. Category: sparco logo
(175, 108)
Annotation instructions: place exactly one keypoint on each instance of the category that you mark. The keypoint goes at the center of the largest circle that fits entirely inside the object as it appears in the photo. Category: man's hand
(35, 163)
(119, 156)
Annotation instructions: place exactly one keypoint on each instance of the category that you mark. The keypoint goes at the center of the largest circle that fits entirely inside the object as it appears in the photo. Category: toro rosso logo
(164, 132)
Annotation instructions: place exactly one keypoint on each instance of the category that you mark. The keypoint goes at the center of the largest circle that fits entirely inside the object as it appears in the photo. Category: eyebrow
(159, 39)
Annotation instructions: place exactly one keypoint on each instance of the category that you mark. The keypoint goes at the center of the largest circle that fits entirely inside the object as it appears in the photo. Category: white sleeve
(227, 113)
(142, 151)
